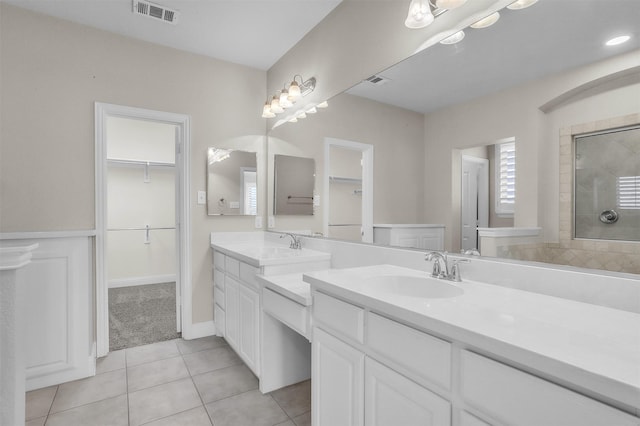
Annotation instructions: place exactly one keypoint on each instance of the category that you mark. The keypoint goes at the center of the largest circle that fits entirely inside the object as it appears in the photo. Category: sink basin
(411, 286)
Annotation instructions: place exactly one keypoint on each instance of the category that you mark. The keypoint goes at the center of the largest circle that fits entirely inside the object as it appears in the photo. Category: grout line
(51, 405)
(126, 376)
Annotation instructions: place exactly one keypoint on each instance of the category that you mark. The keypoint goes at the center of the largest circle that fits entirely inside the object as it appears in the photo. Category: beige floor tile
(162, 401)
(303, 419)
(294, 399)
(38, 402)
(91, 389)
(113, 361)
(197, 345)
(152, 352)
(212, 359)
(250, 408)
(195, 417)
(156, 373)
(225, 382)
(108, 412)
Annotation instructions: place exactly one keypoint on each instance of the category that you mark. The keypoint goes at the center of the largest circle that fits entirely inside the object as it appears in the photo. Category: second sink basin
(406, 285)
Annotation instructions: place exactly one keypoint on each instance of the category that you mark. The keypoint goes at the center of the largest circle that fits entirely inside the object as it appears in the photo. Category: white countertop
(594, 348)
(290, 285)
(263, 253)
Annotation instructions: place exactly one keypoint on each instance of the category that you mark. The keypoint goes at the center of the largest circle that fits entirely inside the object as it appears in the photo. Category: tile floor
(177, 382)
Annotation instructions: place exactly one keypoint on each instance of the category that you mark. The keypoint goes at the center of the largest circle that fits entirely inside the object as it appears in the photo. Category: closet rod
(137, 229)
(139, 163)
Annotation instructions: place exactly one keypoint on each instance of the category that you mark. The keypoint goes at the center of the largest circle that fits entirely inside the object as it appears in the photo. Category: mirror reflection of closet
(345, 194)
(232, 187)
(294, 185)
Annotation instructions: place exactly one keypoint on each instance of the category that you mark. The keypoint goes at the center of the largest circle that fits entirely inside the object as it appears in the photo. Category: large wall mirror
(232, 187)
(527, 78)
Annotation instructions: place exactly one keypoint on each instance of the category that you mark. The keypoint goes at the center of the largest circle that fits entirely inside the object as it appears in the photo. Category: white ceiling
(255, 33)
(546, 38)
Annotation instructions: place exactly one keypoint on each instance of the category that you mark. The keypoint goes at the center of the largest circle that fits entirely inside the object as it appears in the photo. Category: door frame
(183, 219)
(367, 184)
(482, 191)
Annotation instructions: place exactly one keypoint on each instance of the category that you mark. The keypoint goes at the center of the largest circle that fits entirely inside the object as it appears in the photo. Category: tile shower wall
(601, 161)
(608, 255)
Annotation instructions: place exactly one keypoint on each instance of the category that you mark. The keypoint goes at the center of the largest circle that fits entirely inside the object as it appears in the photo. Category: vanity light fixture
(486, 21)
(521, 4)
(323, 104)
(454, 38)
(449, 4)
(286, 97)
(419, 15)
(618, 40)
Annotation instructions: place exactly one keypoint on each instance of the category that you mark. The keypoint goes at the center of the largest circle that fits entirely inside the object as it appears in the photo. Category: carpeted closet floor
(141, 315)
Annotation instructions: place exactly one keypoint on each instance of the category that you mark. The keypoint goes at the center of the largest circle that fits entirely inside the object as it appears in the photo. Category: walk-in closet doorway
(142, 266)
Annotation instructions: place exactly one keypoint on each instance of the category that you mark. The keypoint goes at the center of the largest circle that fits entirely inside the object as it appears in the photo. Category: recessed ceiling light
(453, 39)
(486, 21)
(618, 40)
(521, 4)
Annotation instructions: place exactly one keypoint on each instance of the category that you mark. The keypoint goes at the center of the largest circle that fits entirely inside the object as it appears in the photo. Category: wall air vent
(377, 80)
(155, 11)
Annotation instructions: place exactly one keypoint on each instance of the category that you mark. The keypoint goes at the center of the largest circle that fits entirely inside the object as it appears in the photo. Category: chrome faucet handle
(440, 266)
(455, 270)
(295, 244)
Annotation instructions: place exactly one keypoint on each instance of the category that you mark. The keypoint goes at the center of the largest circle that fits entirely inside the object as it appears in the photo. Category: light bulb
(419, 15)
(454, 38)
(294, 91)
(449, 4)
(275, 105)
(521, 4)
(618, 40)
(486, 21)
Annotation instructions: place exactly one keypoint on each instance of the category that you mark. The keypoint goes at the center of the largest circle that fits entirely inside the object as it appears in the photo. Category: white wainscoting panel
(58, 311)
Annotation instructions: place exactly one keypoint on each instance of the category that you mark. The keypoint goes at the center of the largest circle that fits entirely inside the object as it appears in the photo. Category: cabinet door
(337, 382)
(249, 331)
(232, 315)
(392, 399)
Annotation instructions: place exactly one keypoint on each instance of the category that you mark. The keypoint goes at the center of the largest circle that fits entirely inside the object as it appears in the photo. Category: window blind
(506, 178)
(628, 190)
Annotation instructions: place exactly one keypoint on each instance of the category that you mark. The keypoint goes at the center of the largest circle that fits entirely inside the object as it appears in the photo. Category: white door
(348, 190)
(337, 382)
(392, 399)
(475, 199)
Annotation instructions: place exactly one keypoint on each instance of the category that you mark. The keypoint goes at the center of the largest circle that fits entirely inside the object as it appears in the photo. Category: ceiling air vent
(377, 80)
(155, 11)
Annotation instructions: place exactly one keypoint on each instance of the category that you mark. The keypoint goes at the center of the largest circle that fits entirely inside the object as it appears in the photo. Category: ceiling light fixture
(521, 4)
(449, 4)
(419, 15)
(486, 21)
(286, 97)
(618, 40)
(454, 38)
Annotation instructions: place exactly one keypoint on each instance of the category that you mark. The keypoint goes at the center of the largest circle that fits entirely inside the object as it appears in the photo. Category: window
(505, 178)
(628, 191)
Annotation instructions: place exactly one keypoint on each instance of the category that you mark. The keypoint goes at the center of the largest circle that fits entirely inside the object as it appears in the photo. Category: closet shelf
(341, 179)
(123, 162)
(140, 229)
(345, 224)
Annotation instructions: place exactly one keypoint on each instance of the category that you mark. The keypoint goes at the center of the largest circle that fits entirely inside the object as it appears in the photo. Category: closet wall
(345, 194)
(141, 182)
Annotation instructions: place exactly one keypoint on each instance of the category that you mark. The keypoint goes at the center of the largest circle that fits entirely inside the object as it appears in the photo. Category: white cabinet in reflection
(421, 235)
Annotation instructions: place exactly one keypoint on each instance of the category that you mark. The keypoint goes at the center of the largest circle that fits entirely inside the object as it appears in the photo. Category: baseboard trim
(152, 279)
(199, 329)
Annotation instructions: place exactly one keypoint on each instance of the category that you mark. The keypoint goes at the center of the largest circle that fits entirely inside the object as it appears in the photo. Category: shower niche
(607, 185)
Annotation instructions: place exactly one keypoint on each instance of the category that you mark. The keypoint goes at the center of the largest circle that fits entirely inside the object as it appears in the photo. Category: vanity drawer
(232, 266)
(218, 297)
(512, 396)
(218, 260)
(218, 279)
(422, 355)
(344, 318)
(286, 310)
(248, 275)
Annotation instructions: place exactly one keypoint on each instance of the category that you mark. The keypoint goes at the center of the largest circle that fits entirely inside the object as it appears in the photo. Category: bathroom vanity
(388, 351)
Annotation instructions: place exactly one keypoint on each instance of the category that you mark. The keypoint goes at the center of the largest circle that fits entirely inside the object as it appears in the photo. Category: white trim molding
(135, 281)
(509, 232)
(183, 216)
(199, 329)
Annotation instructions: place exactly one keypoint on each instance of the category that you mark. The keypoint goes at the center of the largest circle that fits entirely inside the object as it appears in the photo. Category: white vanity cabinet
(359, 380)
(422, 236)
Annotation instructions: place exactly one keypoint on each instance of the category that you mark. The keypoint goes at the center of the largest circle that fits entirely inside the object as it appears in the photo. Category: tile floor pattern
(177, 382)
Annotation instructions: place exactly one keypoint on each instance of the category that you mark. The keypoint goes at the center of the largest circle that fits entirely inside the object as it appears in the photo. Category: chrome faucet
(441, 266)
(296, 244)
